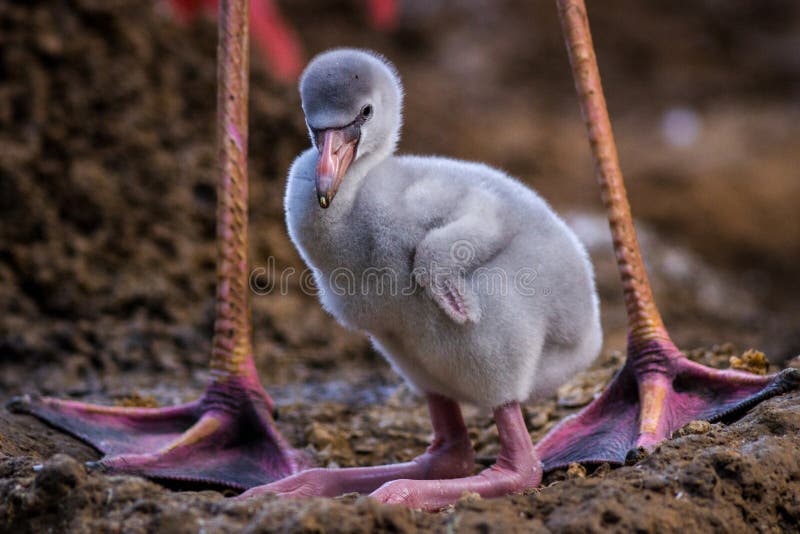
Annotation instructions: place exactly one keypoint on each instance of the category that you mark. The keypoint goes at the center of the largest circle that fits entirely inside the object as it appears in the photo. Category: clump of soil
(107, 199)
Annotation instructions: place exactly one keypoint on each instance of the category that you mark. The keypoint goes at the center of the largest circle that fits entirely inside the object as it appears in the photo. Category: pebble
(693, 427)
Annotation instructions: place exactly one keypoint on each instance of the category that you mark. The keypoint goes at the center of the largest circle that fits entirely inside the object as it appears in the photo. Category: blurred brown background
(705, 101)
(107, 171)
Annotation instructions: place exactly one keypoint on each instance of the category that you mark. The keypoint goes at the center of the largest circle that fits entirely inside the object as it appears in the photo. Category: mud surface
(107, 248)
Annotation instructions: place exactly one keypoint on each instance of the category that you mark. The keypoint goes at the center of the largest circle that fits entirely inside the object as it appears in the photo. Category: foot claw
(95, 466)
(18, 404)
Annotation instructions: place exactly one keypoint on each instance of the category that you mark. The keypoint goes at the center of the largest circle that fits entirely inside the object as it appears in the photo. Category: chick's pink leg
(450, 455)
(517, 468)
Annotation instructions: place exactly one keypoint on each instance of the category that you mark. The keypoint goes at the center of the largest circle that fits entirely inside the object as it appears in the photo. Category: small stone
(576, 470)
(539, 419)
(469, 497)
(636, 455)
(602, 470)
(693, 427)
(136, 400)
(50, 43)
(583, 388)
(60, 475)
(318, 435)
(655, 483)
(487, 440)
(332, 447)
(574, 395)
(752, 361)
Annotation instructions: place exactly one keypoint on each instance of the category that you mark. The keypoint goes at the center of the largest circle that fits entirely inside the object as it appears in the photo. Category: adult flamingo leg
(228, 437)
(658, 390)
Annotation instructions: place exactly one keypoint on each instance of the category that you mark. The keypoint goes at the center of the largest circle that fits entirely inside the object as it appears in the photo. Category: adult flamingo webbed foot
(658, 390)
(228, 437)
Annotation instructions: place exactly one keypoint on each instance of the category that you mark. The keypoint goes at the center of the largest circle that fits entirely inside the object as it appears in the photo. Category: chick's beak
(337, 150)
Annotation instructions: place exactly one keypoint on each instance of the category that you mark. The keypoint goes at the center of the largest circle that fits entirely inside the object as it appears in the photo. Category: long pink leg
(228, 437)
(517, 468)
(658, 390)
(450, 455)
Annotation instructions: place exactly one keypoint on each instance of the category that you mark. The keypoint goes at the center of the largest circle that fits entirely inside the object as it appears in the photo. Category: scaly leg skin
(657, 392)
(437, 478)
(228, 437)
(450, 455)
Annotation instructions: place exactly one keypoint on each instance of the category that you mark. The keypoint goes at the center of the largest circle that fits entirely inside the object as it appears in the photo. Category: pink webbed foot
(449, 456)
(227, 438)
(657, 392)
(517, 468)
(433, 495)
(444, 459)
(437, 478)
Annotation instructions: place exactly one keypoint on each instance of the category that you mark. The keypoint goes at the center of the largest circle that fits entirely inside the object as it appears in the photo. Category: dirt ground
(107, 248)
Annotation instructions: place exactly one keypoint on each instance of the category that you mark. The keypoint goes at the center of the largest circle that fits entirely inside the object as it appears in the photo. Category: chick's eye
(366, 111)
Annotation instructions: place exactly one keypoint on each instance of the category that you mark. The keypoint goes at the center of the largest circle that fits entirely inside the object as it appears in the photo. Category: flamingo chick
(462, 277)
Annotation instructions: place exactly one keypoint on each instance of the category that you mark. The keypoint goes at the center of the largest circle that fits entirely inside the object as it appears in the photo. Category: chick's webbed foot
(657, 392)
(437, 478)
(227, 438)
(443, 459)
(433, 495)
(517, 468)
(450, 455)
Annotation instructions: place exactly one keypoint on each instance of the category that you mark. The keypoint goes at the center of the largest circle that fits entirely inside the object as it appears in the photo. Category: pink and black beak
(337, 150)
